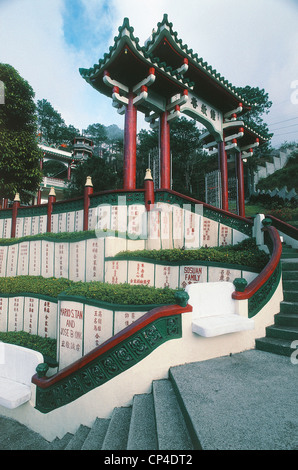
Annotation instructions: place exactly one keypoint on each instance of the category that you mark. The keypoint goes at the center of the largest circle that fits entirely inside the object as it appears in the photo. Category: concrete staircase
(280, 336)
(153, 422)
(279, 160)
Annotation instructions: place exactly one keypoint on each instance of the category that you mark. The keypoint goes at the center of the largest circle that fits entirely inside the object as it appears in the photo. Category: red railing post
(87, 191)
(51, 201)
(16, 205)
(149, 190)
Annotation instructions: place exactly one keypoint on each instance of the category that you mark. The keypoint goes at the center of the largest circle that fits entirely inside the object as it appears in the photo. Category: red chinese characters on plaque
(12, 260)
(124, 319)
(31, 315)
(34, 260)
(23, 261)
(210, 233)
(47, 323)
(98, 327)
(15, 322)
(140, 273)
(192, 274)
(225, 235)
(3, 313)
(3, 257)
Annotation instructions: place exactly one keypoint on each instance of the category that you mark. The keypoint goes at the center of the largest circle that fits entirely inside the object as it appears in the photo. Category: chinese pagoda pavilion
(163, 79)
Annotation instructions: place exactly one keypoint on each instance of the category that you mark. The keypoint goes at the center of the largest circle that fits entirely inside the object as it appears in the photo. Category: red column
(223, 166)
(87, 191)
(51, 201)
(39, 196)
(130, 145)
(240, 177)
(149, 190)
(165, 152)
(15, 206)
(5, 203)
(68, 171)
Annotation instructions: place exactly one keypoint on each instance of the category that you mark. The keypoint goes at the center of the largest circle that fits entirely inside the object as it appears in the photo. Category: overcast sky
(251, 42)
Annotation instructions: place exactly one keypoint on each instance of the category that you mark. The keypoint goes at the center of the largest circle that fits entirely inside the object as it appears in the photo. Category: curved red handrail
(269, 269)
(149, 317)
(284, 227)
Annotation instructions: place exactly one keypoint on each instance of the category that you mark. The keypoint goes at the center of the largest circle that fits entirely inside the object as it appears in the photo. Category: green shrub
(51, 287)
(46, 346)
(245, 253)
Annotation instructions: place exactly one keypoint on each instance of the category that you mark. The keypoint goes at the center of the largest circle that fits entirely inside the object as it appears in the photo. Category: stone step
(286, 319)
(289, 255)
(291, 296)
(95, 438)
(142, 431)
(288, 307)
(275, 345)
(78, 439)
(290, 285)
(289, 265)
(290, 275)
(282, 332)
(118, 430)
(172, 433)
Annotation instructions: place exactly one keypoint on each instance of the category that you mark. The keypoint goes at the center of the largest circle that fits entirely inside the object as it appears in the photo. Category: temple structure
(163, 79)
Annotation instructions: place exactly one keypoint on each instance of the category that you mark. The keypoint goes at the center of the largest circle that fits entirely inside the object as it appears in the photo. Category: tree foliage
(19, 152)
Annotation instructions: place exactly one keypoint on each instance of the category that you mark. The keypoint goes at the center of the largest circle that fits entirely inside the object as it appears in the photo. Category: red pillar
(51, 201)
(240, 177)
(149, 190)
(223, 166)
(5, 203)
(130, 145)
(68, 171)
(15, 206)
(165, 152)
(87, 191)
(39, 196)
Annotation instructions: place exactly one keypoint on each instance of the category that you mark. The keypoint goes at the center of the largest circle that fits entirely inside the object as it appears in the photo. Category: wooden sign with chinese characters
(71, 332)
(124, 319)
(47, 320)
(98, 327)
(15, 313)
(192, 274)
(95, 259)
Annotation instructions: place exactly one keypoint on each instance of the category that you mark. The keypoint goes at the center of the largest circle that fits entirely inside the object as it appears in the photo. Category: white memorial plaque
(34, 260)
(70, 221)
(1, 228)
(114, 245)
(103, 217)
(166, 276)
(124, 319)
(119, 218)
(71, 332)
(23, 259)
(31, 307)
(61, 260)
(140, 273)
(98, 327)
(47, 264)
(116, 272)
(16, 314)
(42, 224)
(79, 221)
(92, 219)
(223, 274)
(3, 260)
(12, 260)
(192, 230)
(54, 223)
(6, 228)
(225, 235)
(48, 316)
(166, 226)
(35, 225)
(62, 222)
(178, 227)
(19, 227)
(192, 274)
(153, 241)
(77, 260)
(133, 245)
(94, 259)
(210, 232)
(135, 226)
(27, 226)
(3, 313)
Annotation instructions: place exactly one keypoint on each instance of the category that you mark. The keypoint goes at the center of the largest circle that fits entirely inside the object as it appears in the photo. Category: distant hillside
(287, 176)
